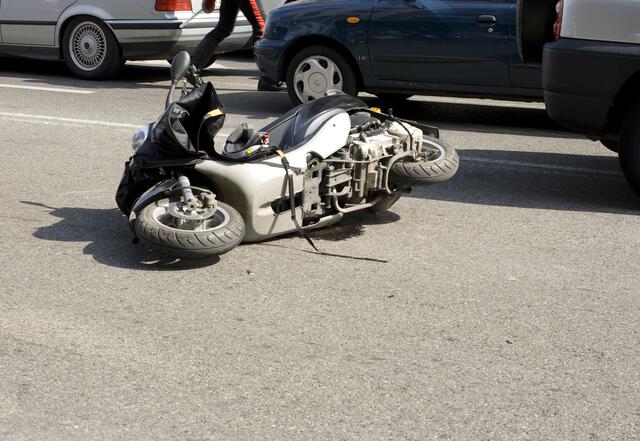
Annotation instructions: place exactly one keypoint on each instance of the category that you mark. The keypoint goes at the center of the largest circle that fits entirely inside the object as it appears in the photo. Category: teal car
(396, 48)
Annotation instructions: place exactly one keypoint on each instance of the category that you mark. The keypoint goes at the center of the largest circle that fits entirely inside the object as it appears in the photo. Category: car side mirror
(180, 66)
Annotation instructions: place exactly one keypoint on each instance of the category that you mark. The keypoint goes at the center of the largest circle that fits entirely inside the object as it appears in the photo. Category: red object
(257, 13)
(208, 6)
(557, 26)
(173, 5)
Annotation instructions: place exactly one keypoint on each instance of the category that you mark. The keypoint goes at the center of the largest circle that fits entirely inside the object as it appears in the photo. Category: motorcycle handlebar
(193, 78)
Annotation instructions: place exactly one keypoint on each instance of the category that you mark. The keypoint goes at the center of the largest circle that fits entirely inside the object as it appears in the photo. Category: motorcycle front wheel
(158, 228)
(437, 163)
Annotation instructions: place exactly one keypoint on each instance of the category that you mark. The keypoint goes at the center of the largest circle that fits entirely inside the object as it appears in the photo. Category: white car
(95, 37)
(590, 55)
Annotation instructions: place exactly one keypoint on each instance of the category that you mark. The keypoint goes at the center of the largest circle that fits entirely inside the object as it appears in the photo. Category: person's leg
(253, 13)
(206, 49)
(251, 10)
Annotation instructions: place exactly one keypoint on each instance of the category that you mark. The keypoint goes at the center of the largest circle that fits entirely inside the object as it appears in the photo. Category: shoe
(266, 87)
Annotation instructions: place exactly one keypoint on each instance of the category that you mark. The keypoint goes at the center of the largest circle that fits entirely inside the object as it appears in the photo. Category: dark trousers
(204, 53)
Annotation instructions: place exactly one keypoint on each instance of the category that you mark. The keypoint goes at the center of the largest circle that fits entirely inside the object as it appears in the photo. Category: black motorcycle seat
(296, 129)
(291, 130)
(312, 116)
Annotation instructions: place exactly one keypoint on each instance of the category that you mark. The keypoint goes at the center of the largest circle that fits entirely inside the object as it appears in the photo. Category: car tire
(332, 69)
(90, 49)
(629, 147)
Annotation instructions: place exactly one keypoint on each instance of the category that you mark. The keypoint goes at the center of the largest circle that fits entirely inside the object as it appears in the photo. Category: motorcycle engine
(372, 138)
(356, 171)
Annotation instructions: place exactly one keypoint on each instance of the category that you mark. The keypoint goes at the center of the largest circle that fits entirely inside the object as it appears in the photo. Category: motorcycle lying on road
(187, 197)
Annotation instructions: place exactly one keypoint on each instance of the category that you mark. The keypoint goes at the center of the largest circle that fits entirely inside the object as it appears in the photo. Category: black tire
(427, 170)
(345, 72)
(610, 144)
(629, 143)
(191, 244)
(96, 54)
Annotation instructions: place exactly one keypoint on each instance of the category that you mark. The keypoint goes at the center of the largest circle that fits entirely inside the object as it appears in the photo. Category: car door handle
(487, 19)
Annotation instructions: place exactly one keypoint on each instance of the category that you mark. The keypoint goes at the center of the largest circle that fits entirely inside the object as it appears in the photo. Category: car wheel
(629, 146)
(316, 70)
(91, 50)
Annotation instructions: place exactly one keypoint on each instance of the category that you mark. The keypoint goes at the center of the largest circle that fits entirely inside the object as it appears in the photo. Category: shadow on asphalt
(465, 117)
(476, 117)
(110, 240)
(354, 225)
(550, 181)
(55, 73)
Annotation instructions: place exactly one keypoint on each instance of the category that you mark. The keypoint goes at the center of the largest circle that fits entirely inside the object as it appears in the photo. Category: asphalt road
(507, 310)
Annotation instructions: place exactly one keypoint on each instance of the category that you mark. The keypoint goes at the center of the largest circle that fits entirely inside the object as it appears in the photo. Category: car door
(442, 41)
(31, 22)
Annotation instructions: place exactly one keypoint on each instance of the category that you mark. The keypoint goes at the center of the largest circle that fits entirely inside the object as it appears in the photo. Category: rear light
(173, 5)
(557, 26)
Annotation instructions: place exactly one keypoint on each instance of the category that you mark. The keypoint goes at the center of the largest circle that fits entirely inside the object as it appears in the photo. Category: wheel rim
(161, 214)
(432, 151)
(88, 46)
(316, 75)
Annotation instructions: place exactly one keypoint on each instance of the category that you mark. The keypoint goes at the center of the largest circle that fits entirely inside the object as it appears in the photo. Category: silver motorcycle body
(338, 156)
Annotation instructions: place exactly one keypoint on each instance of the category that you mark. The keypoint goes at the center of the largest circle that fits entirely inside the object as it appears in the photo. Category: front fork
(191, 203)
(189, 207)
(189, 200)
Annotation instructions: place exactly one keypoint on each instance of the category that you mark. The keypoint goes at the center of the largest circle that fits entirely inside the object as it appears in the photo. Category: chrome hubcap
(88, 46)
(432, 151)
(167, 214)
(315, 76)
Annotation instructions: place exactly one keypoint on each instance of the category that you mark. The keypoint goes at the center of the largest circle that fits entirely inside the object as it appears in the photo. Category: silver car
(96, 37)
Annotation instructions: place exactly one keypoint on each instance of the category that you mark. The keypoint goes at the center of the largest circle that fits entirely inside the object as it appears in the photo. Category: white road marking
(47, 89)
(32, 121)
(39, 118)
(51, 120)
(564, 168)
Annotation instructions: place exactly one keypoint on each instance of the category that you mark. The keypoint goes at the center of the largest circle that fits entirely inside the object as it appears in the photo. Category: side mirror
(180, 65)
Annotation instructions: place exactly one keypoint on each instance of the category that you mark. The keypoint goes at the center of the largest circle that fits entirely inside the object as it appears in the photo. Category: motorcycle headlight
(139, 138)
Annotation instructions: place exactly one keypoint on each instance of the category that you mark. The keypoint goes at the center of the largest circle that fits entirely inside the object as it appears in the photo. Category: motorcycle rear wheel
(155, 227)
(437, 163)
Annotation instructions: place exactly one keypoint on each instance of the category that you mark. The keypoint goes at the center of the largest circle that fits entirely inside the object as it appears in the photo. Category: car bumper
(581, 79)
(269, 54)
(148, 39)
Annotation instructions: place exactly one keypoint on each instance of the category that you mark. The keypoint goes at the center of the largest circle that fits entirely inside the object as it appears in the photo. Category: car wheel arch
(624, 100)
(307, 41)
(74, 11)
